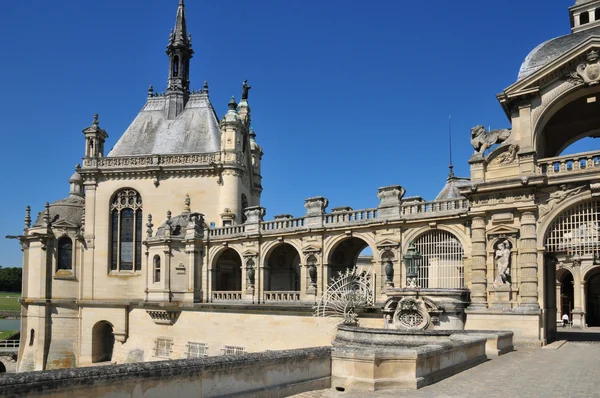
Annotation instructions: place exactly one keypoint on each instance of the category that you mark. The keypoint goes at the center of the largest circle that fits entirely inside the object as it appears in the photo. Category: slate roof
(450, 190)
(195, 130)
(67, 210)
(552, 49)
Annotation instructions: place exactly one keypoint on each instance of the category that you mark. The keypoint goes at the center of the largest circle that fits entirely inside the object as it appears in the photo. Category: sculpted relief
(556, 198)
(588, 72)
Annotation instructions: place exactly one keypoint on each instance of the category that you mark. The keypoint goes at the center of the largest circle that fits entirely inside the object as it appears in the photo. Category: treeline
(11, 279)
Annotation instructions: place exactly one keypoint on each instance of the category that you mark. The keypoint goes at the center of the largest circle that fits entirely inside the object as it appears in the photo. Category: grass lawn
(6, 334)
(10, 301)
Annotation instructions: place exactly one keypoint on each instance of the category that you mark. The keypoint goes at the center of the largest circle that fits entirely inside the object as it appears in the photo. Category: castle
(161, 249)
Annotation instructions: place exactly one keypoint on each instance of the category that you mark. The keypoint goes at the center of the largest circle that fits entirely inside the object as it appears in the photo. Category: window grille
(442, 264)
(163, 348)
(126, 231)
(197, 350)
(232, 350)
(576, 231)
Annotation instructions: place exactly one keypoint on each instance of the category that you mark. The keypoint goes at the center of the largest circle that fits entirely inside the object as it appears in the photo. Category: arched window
(575, 231)
(442, 264)
(126, 231)
(65, 254)
(156, 269)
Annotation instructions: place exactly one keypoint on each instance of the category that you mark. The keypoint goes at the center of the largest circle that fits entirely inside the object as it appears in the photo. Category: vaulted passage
(346, 256)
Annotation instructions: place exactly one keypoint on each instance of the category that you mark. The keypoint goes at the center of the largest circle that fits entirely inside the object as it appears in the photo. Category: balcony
(569, 164)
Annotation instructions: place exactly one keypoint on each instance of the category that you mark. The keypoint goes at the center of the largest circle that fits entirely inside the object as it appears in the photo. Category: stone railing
(350, 217)
(569, 164)
(202, 159)
(281, 296)
(227, 231)
(227, 296)
(9, 344)
(278, 225)
(424, 209)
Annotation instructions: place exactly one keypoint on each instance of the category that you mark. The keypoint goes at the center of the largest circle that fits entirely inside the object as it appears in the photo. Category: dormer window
(584, 18)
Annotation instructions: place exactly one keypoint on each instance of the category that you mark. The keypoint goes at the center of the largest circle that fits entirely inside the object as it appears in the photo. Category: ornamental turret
(95, 138)
(585, 14)
(180, 53)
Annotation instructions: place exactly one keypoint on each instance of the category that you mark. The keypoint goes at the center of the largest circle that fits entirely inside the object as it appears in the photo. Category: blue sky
(347, 96)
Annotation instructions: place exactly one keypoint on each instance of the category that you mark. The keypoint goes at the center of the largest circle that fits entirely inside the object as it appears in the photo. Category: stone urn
(389, 271)
(312, 273)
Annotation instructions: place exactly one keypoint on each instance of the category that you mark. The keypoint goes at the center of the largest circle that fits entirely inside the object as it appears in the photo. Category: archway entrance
(103, 342)
(566, 300)
(442, 264)
(347, 254)
(228, 272)
(2, 368)
(283, 269)
(593, 300)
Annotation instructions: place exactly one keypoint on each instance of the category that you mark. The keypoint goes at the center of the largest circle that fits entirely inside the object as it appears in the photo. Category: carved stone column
(478, 264)
(578, 311)
(558, 302)
(528, 261)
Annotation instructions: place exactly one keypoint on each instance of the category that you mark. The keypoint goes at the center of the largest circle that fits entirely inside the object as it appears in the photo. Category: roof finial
(206, 87)
(27, 217)
(96, 119)
(451, 167)
(149, 225)
(46, 218)
(232, 104)
(169, 214)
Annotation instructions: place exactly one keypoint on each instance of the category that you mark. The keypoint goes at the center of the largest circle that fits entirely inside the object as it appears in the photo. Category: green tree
(11, 279)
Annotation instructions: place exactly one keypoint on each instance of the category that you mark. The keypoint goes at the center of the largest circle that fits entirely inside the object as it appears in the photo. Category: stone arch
(457, 230)
(103, 342)
(282, 262)
(546, 221)
(592, 296)
(566, 98)
(566, 300)
(342, 251)
(2, 365)
(442, 265)
(268, 247)
(332, 241)
(227, 270)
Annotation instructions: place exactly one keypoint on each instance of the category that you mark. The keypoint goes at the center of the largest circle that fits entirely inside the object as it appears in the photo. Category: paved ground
(570, 371)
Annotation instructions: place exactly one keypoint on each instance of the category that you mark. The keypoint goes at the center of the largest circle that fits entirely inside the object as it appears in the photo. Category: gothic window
(65, 254)
(156, 269)
(126, 231)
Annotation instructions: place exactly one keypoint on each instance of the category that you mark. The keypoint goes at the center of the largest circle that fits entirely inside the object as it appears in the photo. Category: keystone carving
(588, 72)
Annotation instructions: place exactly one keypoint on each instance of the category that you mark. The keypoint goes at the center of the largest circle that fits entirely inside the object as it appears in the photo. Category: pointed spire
(180, 33)
(46, 218)
(232, 104)
(451, 167)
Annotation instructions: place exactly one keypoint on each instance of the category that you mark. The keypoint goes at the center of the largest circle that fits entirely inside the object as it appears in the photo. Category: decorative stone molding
(555, 198)
(588, 72)
(316, 206)
(163, 317)
(390, 201)
(595, 188)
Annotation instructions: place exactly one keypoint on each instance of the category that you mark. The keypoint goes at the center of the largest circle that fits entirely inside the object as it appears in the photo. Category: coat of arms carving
(588, 72)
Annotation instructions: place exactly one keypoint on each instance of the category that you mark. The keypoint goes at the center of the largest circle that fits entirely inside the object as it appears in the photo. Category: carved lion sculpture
(482, 140)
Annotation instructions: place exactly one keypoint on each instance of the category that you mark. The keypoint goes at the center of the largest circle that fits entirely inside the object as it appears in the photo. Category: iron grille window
(197, 350)
(232, 350)
(576, 230)
(126, 231)
(442, 264)
(163, 348)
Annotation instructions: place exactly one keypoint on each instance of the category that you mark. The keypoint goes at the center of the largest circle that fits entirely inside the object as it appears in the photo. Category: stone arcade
(161, 250)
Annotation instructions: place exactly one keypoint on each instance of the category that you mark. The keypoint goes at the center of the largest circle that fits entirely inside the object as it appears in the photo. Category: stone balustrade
(227, 231)
(424, 209)
(283, 224)
(350, 217)
(561, 165)
(281, 297)
(227, 296)
(206, 159)
(9, 344)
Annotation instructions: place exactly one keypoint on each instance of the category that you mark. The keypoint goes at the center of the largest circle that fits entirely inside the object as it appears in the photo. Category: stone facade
(163, 253)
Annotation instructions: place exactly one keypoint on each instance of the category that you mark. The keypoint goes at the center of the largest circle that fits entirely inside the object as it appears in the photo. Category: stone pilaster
(528, 261)
(478, 264)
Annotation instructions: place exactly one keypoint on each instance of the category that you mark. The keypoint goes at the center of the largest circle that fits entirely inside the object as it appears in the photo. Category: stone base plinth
(379, 359)
(502, 297)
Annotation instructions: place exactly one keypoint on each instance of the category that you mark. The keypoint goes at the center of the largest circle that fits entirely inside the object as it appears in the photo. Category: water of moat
(10, 324)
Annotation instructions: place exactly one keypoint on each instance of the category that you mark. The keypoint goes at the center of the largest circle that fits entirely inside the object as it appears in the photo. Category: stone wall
(276, 374)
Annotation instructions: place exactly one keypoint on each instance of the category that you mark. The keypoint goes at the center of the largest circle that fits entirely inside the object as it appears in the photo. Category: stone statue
(503, 263)
(556, 198)
(482, 140)
(245, 89)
